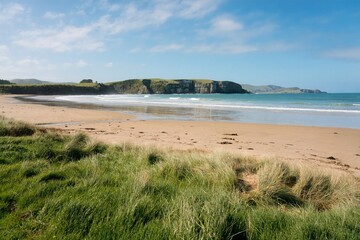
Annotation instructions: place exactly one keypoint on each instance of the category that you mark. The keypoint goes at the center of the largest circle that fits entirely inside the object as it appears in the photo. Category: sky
(303, 43)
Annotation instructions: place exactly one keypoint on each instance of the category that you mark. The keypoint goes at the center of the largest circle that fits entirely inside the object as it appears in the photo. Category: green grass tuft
(13, 128)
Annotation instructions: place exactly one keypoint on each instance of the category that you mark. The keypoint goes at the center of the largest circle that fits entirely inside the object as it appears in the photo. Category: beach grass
(55, 186)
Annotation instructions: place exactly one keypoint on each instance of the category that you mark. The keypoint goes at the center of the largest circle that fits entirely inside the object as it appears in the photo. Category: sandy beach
(336, 148)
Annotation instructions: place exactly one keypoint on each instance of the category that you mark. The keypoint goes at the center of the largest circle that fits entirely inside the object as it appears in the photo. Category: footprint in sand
(227, 138)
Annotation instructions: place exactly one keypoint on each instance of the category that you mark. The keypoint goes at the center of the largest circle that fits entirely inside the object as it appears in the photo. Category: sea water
(330, 109)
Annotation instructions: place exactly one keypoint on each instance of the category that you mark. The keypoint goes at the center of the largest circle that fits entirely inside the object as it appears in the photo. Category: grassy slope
(84, 88)
(62, 187)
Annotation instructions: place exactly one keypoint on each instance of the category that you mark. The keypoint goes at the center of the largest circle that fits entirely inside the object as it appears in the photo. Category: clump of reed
(10, 127)
(278, 183)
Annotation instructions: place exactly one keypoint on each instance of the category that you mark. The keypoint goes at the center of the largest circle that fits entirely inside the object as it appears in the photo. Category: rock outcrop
(160, 86)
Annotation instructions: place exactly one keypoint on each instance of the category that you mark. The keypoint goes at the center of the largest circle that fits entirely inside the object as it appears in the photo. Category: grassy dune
(55, 186)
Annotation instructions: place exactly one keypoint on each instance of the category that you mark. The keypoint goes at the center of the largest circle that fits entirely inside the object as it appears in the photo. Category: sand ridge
(337, 148)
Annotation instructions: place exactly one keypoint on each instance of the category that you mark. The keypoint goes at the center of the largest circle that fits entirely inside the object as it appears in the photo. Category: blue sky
(305, 43)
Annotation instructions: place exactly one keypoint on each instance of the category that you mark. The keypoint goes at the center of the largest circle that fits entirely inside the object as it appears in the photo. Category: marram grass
(54, 186)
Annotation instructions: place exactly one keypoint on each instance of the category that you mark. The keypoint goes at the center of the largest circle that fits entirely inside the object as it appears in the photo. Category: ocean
(327, 110)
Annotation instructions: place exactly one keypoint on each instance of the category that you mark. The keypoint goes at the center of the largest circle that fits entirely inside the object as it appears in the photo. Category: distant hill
(35, 81)
(3, 81)
(269, 89)
(29, 81)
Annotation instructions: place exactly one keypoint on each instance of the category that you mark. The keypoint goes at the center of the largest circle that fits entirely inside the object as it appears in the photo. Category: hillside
(163, 86)
(268, 89)
(132, 86)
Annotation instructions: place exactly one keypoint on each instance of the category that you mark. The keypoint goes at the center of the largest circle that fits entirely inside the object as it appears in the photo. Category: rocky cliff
(161, 86)
(132, 86)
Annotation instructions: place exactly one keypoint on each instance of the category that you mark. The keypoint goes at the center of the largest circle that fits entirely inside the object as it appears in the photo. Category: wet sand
(336, 148)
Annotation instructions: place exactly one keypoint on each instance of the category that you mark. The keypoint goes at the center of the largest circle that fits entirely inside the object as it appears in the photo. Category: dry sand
(337, 148)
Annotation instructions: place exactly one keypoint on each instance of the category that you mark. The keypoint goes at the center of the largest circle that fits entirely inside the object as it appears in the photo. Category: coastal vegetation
(57, 186)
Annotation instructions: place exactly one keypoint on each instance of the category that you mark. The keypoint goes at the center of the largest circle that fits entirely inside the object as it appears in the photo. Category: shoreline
(209, 107)
(327, 147)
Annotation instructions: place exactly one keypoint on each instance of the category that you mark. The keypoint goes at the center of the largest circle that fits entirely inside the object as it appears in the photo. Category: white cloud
(259, 29)
(347, 53)
(81, 63)
(218, 48)
(202, 48)
(28, 62)
(224, 48)
(124, 17)
(11, 11)
(109, 6)
(225, 24)
(197, 8)
(236, 49)
(26, 66)
(78, 64)
(154, 13)
(278, 47)
(109, 65)
(133, 18)
(135, 50)
(166, 48)
(4, 54)
(60, 40)
(4, 50)
(226, 35)
(53, 15)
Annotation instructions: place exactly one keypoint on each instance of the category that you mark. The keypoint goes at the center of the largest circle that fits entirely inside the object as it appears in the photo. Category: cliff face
(133, 86)
(159, 86)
